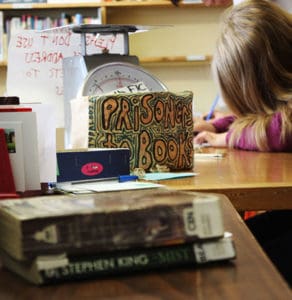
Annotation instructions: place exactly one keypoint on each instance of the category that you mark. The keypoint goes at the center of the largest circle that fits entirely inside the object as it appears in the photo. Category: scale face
(112, 76)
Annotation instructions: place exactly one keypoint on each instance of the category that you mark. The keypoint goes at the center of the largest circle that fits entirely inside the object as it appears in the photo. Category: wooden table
(250, 276)
(251, 180)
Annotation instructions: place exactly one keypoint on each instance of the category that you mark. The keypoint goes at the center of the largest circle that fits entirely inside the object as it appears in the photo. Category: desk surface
(250, 276)
(251, 180)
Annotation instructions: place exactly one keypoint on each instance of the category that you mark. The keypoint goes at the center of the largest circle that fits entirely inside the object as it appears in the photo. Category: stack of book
(58, 238)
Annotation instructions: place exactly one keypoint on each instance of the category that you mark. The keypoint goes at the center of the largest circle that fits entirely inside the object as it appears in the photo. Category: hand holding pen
(203, 123)
(212, 110)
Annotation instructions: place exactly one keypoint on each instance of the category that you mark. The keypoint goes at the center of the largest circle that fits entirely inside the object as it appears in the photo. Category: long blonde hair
(253, 66)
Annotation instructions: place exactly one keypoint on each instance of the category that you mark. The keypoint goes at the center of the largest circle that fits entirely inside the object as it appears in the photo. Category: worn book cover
(107, 221)
(59, 268)
(157, 127)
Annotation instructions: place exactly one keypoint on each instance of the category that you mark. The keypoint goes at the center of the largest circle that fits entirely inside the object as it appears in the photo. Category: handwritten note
(35, 72)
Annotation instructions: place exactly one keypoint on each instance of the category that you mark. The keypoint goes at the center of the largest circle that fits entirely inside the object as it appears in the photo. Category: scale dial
(112, 76)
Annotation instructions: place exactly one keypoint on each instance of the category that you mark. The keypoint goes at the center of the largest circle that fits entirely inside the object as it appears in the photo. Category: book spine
(140, 260)
(102, 231)
(154, 226)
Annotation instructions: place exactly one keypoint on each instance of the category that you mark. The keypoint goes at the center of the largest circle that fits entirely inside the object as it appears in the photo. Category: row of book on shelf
(13, 25)
(52, 239)
(49, 1)
(33, 22)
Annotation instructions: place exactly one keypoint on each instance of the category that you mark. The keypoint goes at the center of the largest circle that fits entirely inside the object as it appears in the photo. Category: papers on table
(209, 155)
(115, 185)
(167, 175)
(105, 186)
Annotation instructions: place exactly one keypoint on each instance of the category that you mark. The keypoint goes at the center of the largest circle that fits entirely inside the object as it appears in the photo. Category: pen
(124, 178)
(209, 155)
(120, 178)
(214, 104)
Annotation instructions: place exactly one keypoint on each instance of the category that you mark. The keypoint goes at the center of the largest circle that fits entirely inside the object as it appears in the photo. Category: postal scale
(96, 74)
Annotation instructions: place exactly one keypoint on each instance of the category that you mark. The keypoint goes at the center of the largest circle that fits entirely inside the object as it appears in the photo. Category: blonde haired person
(253, 67)
(252, 64)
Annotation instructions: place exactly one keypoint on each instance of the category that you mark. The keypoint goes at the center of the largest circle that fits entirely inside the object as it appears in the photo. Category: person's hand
(213, 139)
(217, 114)
(216, 2)
(202, 125)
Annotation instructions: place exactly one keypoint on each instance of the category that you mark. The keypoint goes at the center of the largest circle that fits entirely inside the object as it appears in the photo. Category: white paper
(106, 186)
(79, 124)
(167, 175)
(46, 125)
(35, 63)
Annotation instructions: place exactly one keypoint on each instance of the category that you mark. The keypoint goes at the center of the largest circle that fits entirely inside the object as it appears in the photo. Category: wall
(192, 31)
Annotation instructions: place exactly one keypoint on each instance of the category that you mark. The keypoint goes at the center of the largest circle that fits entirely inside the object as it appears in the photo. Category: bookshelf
(192, 31)
(106, 4)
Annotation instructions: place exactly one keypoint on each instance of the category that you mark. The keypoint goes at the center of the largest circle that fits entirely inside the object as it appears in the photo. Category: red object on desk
(249, 214)
(7, 186)
(14, 109)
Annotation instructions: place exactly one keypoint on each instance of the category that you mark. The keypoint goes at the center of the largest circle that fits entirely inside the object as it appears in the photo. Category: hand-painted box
(157, 127)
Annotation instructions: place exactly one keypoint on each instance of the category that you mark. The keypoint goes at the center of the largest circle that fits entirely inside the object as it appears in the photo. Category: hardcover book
(7, 185)
(59, 268)
(92, 164)
(99, 222)
(21, 126)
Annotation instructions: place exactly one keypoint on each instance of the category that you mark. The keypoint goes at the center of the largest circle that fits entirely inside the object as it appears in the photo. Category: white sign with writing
(35, 72)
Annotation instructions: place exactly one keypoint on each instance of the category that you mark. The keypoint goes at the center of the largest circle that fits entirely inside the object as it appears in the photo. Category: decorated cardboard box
(157, 127)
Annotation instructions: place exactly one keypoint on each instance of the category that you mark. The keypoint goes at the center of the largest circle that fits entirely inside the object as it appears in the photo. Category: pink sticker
(92, 169)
